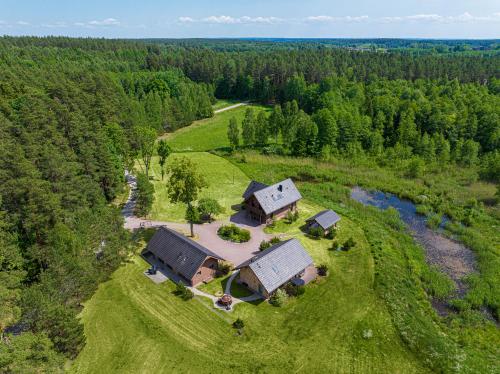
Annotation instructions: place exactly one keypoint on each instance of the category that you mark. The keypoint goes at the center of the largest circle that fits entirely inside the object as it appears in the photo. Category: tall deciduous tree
(184, 183)
(233, 133)
(146, 138)
(261, 129)
(248, 127)
(276, 122)
(163, 151)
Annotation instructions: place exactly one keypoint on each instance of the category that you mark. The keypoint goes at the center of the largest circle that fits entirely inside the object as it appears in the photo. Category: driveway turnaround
(205, 234)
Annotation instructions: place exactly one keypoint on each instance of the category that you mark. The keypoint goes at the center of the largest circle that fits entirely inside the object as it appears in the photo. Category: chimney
(280, 188)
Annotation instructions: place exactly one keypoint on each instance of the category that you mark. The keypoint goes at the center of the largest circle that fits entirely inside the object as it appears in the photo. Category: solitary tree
(146, 138)
(184, 184)
(208, 207)
(164, 151)
(233, 133)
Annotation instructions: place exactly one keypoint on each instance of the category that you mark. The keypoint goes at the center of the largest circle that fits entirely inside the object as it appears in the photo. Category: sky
(450, 19)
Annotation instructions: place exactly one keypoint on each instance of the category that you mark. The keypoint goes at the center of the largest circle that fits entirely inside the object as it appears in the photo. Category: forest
(76, 113)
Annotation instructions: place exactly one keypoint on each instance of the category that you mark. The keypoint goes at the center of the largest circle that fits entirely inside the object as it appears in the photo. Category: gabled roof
(326, 218)
(254, 186)
(277, 196)
(181, 253)
(277, 265)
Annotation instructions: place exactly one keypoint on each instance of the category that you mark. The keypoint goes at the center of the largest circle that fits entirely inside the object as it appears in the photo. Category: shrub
(264, 245)
(238, 324)
(323, 270)
(233, 233)
(316, 232)
(267, 244)
(144, 195)
(279, 298)
(294, 290)
(331, 234)
(349, 243)
(223, 268)
(183, 292)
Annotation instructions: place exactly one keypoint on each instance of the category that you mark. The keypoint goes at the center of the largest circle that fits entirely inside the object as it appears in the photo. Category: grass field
(207, 134)
(226, 184)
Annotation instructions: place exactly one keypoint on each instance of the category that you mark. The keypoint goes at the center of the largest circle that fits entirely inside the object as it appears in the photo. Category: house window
(199, 272)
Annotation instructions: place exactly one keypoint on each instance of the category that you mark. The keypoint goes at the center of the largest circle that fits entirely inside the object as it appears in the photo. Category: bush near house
(323, 270)
(233, 233)
(223, 268)
(269, 243)
(316, 232)
(294, 290)
(279, 298)
(183, 292)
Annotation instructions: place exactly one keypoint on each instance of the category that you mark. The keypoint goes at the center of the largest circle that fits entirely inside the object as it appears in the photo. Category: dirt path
(229, 107)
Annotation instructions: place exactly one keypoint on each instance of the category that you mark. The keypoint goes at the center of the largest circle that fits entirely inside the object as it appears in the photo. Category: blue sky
(252, 18)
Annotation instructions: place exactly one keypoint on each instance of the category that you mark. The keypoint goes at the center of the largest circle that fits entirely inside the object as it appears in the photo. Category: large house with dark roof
(270, 269)
(326, 220)
(266, 203)
(193, 262)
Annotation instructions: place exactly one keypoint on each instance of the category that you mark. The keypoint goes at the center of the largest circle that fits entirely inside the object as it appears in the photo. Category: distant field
(226, 184)
(208, 134)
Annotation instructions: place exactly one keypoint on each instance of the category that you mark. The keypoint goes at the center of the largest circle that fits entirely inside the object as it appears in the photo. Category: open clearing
(210, 133)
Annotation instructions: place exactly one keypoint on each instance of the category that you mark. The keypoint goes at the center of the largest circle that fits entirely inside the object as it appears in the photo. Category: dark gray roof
(326, 218)
(277, 265)
(277, 196)
(183, 254)
(254, 186)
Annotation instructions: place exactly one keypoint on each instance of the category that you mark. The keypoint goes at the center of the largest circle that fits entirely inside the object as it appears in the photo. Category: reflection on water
(452, 257)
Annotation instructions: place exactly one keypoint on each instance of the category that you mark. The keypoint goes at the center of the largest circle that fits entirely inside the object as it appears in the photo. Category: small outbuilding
(327, 220)
(183, 256)
(266, 203)
(277, 265)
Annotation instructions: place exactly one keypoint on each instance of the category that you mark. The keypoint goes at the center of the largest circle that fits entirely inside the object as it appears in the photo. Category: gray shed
(325, 219)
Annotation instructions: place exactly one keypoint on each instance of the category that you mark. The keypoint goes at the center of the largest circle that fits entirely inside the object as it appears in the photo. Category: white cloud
(22, 23)
(337, 19)
(105, 22)
(186, 19)
(228, 20)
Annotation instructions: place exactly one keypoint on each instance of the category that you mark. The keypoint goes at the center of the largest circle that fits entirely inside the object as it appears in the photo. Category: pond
(450, 256)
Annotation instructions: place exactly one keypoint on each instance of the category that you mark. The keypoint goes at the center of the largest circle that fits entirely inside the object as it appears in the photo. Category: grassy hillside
(208, 134)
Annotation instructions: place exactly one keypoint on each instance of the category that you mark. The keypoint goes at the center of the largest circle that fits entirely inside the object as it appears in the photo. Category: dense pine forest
(76, 113)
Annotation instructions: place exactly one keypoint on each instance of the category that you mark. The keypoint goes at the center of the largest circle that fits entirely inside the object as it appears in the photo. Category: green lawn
(217, 287)
(208, 134)
(226, 184)
(135, 326)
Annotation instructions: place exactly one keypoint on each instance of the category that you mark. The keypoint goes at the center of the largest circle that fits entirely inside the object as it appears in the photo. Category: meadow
(210, 133)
